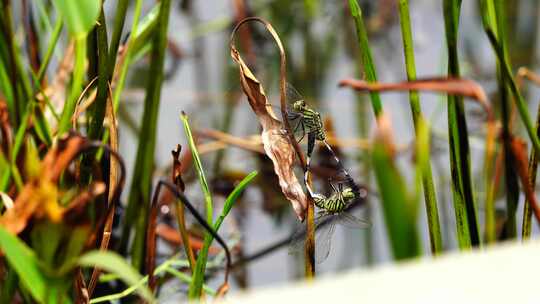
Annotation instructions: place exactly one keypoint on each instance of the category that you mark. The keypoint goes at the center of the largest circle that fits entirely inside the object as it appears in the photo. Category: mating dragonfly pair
(332, 209)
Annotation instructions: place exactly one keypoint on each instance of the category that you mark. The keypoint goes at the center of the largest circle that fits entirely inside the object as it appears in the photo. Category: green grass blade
(430, 196)
(365, 54)
(113, 263)
(77, 81)
(25, 263)
(526, 230)
(195, 287)
(199, 169)
(139, 195)
(166, 266)
(96, 112)
(7, 291)
(119, 20)
(462, 188)
(511, 177)
(80, 16)
(145, 29)
(50, 49)
(6, 88)
(124, 67)
(399, 210)
(231, 199)
(123, 72)
(489, 17)
(493, 17)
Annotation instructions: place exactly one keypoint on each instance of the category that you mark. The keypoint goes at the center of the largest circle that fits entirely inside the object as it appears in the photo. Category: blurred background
(321, 46)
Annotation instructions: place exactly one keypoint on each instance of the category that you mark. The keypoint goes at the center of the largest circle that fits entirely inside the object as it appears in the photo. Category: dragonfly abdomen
(313, 123)
(333, 204)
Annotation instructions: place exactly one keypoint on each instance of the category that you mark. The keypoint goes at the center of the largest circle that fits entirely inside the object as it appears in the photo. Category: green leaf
(366, 55)
(80, 16)
(399, 210)
(113, 263)
(136, 211)
(198, 167)
(468, 233)
(233, 196)
(25, 263)
(430, 196)
(195, 288)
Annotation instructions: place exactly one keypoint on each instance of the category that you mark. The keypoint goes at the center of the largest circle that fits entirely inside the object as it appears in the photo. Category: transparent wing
(297, 241)
(350, 221)
(323, 240)
(324, 229)
(292, 94)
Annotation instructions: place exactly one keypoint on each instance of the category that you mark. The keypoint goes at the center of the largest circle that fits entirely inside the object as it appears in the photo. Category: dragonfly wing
(297, 240)
(292, 94)
(323, 240)
(296, 119)
(350, 221)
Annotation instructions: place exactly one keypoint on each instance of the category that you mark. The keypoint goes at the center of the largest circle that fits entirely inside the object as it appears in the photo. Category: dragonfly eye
(348, 193)
(299, 104)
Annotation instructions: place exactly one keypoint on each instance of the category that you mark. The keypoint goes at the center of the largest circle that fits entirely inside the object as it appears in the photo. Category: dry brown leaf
(277, 145)
(454, 86)
(177, 169)
(525, 73)
(519, 150)
(39, 197)
(112, 126)
(180, 212)
(77, 205)
(252, 143)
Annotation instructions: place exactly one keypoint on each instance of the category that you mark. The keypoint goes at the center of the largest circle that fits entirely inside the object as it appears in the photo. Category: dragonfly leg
(311, 147)
(293, 115)
(299, 124)
(303, 131)
(332, 185)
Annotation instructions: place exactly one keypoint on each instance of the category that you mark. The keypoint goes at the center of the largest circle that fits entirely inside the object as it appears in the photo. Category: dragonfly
(306, 121)
(332, 210)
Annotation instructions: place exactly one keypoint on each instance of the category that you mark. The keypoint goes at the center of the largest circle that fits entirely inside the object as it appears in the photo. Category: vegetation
(71, 73)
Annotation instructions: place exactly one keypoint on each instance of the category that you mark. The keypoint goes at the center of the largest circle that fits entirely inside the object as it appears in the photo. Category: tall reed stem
(430, 196)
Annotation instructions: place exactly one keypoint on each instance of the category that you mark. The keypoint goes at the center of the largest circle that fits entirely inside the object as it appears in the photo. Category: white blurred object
(502, 274)
(6, 200)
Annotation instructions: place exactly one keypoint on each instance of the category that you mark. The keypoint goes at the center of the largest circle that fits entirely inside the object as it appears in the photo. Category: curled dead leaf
(177, 169)
(277, 144)
(39, 197)
(453, 86)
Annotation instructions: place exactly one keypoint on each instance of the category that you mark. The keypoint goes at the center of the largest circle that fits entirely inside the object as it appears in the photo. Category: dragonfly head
(348, 193)
(299, 105)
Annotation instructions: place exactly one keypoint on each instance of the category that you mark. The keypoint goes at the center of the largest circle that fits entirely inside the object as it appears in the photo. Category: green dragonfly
(332, 210)
(306, 120)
